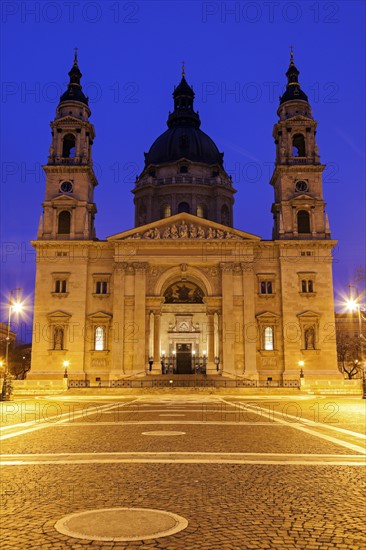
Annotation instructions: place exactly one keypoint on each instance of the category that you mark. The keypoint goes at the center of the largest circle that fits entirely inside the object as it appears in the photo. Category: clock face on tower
(66, 187)
(301, 185)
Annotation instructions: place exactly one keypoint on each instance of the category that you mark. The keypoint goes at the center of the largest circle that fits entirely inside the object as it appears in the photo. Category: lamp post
(16, 306)
(301, 364)
(217, 363)
(66, 364)
(353, 304)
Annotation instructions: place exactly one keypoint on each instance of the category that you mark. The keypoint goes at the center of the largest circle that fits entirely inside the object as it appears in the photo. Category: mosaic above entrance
(183, 293)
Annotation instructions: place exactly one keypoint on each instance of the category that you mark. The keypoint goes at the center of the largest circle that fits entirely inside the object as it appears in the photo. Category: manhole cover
(121, 524)
(163, 433)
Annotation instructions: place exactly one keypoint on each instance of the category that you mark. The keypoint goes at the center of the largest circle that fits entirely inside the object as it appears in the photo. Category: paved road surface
(247, 473)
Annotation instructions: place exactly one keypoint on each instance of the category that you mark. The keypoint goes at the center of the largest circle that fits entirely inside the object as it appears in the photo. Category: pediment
(300, 118)
(267, 315)
(68, 118)
(100, 316)
(308, 315)
(302, 196)
(184, 227)
(63, 198)
(58, 315)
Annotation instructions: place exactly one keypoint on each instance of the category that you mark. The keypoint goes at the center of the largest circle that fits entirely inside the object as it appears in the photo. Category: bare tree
(349, 355)
(20, 361)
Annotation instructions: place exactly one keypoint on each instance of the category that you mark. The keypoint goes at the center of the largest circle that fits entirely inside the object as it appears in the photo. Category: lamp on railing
(66, 365)
(162, 361)
(217, 363)
(301, 364)
(204, 362)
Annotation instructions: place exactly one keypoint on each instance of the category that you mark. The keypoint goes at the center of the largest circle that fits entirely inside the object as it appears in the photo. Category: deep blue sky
(130, 55)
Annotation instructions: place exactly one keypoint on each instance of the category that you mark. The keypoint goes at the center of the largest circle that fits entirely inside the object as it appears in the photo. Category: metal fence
(184, 383)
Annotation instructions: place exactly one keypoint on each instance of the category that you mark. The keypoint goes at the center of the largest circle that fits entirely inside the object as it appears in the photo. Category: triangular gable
(58, 315)
(63, 198)
(303, 196)
(100, 316)
(267, 315)
(308, 315)
(184, 226)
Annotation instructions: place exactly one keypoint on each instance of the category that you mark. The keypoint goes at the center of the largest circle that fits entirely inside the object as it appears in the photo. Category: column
(117, 336)
(140, 352)
(294, 221)
(250, 326)
(228, 323)
(313, 221)
(211, 367)
(216, 337)
(156, 365)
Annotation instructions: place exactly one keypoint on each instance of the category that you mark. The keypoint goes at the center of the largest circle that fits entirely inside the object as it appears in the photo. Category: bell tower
(68, 208)
(298, 208)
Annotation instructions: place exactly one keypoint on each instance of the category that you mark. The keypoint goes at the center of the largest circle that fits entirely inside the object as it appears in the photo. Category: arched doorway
(183, 329)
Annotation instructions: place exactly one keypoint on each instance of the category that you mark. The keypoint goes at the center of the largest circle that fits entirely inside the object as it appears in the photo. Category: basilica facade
(184, 292)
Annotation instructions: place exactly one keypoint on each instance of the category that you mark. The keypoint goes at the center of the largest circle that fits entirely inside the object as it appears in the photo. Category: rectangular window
(307, 285)
(99, 338)
(60, 286)
(266, 287)
(268, 338)
(101, 287)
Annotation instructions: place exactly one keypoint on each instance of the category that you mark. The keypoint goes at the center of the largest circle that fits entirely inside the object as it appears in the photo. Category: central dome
(183, 139)
(183, 142)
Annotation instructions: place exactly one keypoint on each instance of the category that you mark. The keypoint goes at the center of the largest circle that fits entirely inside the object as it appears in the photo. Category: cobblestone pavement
(266, 473)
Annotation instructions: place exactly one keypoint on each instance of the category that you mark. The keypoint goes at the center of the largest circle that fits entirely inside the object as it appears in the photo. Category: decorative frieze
(184, 231)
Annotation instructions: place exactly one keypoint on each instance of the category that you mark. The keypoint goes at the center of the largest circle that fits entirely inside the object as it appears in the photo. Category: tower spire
(183, 105)
(292, 62)
(293, 89)
(74, 90)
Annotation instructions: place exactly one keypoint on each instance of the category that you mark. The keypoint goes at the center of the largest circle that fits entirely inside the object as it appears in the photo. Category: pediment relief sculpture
(184, 231)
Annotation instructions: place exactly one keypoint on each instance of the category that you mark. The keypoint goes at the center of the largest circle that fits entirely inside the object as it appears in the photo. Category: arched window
(303, 221)
(58, 338)
(68, 146)
(166, 211)
(201, 211)
(268, 338)
(64, 222)
(225, 218)
(298, 146)
(99, 339)
(183, 207)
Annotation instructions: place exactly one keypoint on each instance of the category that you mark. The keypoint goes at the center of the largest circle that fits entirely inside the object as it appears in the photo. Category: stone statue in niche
(58, 338)
(310, 338)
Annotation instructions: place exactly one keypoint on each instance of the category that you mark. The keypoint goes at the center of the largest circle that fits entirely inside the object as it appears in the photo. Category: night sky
(130, 53)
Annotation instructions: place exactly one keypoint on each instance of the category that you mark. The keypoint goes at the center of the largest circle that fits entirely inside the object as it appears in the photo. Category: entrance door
(184, 359)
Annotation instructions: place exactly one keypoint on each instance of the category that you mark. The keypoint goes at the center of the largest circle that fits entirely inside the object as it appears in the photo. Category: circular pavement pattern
(121, 524)
(156, 433)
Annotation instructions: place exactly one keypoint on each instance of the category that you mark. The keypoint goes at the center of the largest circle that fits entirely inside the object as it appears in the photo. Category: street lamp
(353, 304)
(66, 364)
(16, 306)
(301, 364)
